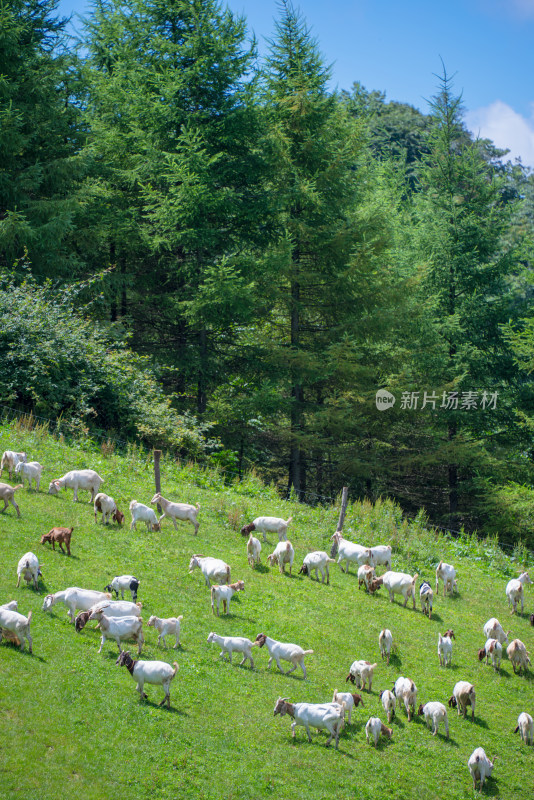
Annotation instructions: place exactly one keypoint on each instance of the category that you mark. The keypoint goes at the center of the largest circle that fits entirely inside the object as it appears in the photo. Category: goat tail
(227, 573)
(180, 618)
(198, 506)
(29, 618)
(307, 652)
(516, 729)
(18, 486)
(175, 665)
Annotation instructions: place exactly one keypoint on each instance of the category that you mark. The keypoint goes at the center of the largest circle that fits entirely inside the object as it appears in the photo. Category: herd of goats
(120, 620)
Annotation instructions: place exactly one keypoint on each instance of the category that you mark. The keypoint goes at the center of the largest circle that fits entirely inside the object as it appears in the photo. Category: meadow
(73, 725)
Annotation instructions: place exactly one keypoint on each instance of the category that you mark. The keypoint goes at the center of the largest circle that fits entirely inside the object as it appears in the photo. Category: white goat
(366, 575)
(213, 569)
(389, 703)
(385, 643)
(225, 593)
(285, 651)
(86, 479)
(348, 700)
(283, 554)
(142, 513)
(360, 673)
(349, 551)
(374, 728)
(514, 591)
(156, 672)
(28, 567)
(75, 599)
(463, 695)
(166, 627)
(31, 470)
(313, 715)
(426, 596)
(493, 630)
(253, 550)
(397, 583)
(492, 649)
(268, 524)
(182, 511)
(233, 644)
(107, 506)
(447, 574)
(435, 713)
(525, 726)
(406, 690)
(122, 583)
(381, 556)
(480, 766)
(317, 561)
(10, 459)
(120, 629)
(110, 608)
(7, 494)
(17, 624)
(445, 648)
(517, 653)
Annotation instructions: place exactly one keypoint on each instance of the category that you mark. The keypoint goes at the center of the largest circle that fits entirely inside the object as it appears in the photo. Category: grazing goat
(514, 591)
(406, 690)
(142, 513)
(86, 479)
(285, 651)
(389, 702)
(106, 505)
(28, 567)
(445, 648)
(253, 550)
(374, 728)
(7, 494)
(426, 596)
(10, 459)
(268, 524)
(120, 629)
(166, 627)
(360, 673)
(317, 561)
(435, 713)
(213, 569)
(463, 695)
(31, 470)
(59, 536)
(122, 583)
(366, 575)
(174, 511)
(225, 593)
(158, 673)
(110, 608)
(385, 643)
(525, 726)
(75, 599)
(349, 551)
(283, 554)
(348, 700)
(315, 715)
(493, 649)
(397, 583)
(231, 644)
(17, 624)
(517, 653)
(447, 574)
(493, 630)
(480, 767)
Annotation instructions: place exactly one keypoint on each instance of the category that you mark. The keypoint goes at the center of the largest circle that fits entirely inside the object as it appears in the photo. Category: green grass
(73, 725)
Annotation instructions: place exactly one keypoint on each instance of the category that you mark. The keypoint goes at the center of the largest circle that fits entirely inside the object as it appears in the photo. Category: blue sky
(396, 47)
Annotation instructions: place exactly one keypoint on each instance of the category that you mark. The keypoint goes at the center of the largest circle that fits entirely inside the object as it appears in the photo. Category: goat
(225, 593)
(7, 494)
(285, 651)
(213, 569)
(349, 551)
(317, 561)
(143, 513)
(406, 690)
(397, 583)
(253, 550)
(110, 608)
(86, 479)
(174, 511)
(435, 713)
(360, 673)
(158, 673)
(447, 573)
(385, 643)
(120, 629)
(480, 767)
(10, 459)
(268, 524)
(29, 567)
(10, 636)
(374, 728)
(514, 591)
(445, 648)
(426, 596)
(122, 583)
(366, 575)
(381, 556)
(231, 644)
(75, 599)
(493, 649)
(316, 715)
(17, 624)
(525, 726)
(348, 700)
(31, 470)
(517, 653)
(463, 695)
(59, 536)
(166, 627)
(389, 703)
(283, 554)
(493, 630)
(106, 505)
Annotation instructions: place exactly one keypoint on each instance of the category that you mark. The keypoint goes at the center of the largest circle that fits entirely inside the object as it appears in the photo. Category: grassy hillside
(72, 722)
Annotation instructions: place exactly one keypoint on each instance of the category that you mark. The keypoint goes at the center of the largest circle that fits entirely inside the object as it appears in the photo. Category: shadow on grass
(298, 743)
(395, 660)
(480, 723)
(261, 568)
(172, 710)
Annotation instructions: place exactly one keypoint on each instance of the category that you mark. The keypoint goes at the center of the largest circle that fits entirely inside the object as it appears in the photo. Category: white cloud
(506, 128)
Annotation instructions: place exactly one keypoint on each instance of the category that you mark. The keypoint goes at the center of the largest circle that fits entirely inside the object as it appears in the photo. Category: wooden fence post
(157, 481)
(341, 520)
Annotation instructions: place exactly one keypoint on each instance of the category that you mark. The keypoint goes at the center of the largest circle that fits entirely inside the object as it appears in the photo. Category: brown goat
(61, 536)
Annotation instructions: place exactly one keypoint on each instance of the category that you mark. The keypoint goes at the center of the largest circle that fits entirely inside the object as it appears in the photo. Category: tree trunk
(201, 387)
